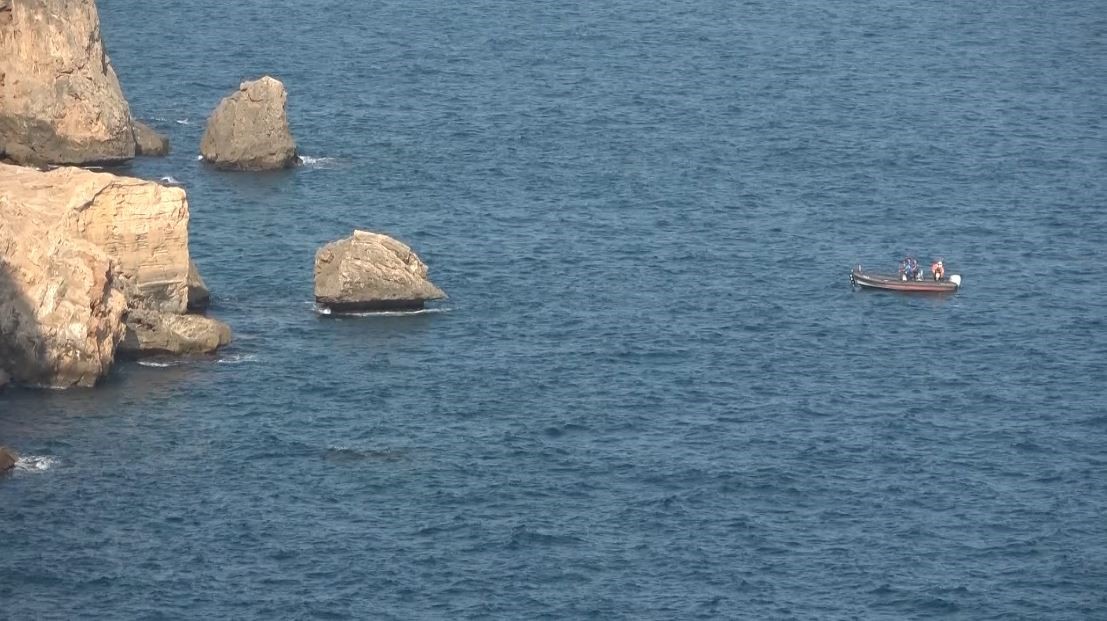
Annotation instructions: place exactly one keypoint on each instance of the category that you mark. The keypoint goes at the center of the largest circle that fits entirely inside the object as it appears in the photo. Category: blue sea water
(652, 393)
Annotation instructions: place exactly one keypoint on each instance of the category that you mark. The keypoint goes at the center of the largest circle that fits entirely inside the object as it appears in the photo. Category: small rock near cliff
(149, 142)
(151, 332)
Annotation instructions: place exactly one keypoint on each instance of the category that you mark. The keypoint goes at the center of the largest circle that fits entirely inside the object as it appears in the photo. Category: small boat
(896, 282)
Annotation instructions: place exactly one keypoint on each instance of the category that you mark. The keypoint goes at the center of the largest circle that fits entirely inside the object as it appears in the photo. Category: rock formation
(153, 333)
(83, 253)
(61, 307)
(60, 101)
(370, 272)
(249, 129)
(142, 225)
(149, 142)
(7, 458)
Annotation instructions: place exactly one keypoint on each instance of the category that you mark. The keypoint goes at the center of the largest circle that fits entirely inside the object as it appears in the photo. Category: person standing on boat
(938, 270)
(909, 269)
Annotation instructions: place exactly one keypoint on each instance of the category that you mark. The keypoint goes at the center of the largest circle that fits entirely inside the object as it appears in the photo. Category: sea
(652, 392)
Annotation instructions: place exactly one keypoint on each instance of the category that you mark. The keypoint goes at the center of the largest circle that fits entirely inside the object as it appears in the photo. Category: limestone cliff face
(60, 100)
(369, 271)
(142, 225)
(61, 309)
(80, 254)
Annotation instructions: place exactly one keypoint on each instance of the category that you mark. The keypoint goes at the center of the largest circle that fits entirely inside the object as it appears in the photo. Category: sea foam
(309, 161)
(35, 463)
(322, 310)
(237, 359)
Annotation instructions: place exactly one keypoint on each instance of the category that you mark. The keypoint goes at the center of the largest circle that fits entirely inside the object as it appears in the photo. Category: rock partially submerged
(81, 253)
(371, 272)
(149, 142)
(7, 459)
(150, 333)
(249, 129)
(60, 100)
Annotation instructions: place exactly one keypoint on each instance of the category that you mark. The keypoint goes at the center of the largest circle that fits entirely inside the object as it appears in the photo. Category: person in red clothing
(938, 270)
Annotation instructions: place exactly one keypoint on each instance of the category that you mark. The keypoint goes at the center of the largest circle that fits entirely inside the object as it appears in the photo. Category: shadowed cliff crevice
(19, 331)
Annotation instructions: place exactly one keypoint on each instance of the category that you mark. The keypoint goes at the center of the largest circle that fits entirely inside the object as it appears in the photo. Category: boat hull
(894, 283)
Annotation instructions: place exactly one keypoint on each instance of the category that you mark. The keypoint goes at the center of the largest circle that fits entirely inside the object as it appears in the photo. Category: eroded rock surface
(149, 142)
(60, 100)
(142, 225)
(61, 307)
(249, 129)
(368, 272)
(80, 254)
(154, 333)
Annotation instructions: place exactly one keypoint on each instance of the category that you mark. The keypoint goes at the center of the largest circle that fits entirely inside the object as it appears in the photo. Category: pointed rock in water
(7, 459)
(371, 272)
(60, 100)
(149, 142)
(249, 129)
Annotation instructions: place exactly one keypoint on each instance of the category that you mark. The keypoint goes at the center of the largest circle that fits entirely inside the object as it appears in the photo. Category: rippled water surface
(652, 392)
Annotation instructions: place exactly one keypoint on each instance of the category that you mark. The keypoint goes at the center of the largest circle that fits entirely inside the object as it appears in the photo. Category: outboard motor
(956, 279)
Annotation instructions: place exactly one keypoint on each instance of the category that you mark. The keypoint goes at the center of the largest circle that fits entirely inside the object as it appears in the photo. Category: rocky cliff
(60, 100)
(83, 253)
(61, 309)
(142, 225)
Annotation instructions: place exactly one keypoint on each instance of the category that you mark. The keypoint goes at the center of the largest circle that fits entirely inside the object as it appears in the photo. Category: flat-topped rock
(371, 272)
(60, 100)
(249, 129)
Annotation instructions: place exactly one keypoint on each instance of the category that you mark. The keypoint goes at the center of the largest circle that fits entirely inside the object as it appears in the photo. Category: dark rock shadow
(21, 345)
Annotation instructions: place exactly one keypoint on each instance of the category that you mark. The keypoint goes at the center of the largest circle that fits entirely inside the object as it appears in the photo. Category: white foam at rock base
(35, 463)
